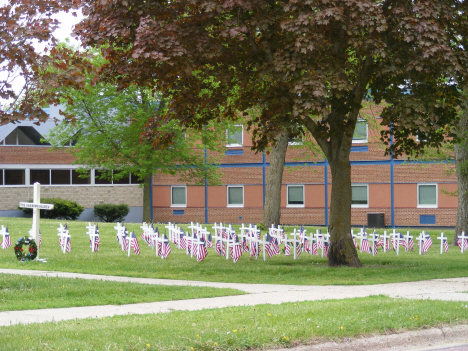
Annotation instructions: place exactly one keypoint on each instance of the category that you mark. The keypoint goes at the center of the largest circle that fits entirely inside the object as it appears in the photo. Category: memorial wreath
(32, 251)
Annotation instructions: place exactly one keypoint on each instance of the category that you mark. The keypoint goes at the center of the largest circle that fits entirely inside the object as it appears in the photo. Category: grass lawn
(28, 292)
(308, 270)
(238, 328)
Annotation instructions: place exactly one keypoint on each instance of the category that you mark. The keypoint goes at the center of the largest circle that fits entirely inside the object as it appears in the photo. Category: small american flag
(411, 244)
(287, 248)
(7, 241)
(134, 244)
(271, 247)
(445, 245)
(245, 245)
(427, 243)
(124, 240)
(202, 252)
(253, 249)
(165, 247)
(68, 248)
(218, 247)
(365, 247)
(182, 240)
(319, 240)
(307, 245)
(462, 245)
(236, 250)
(326, 246)
(209, 241)
(40, 241)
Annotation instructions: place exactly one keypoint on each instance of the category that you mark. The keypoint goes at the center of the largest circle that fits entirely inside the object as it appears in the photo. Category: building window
(40, 176)
(60, 176)
(178, 196)
(235, 196)
(15, 177)
(360, 132)
(235, 136)
(427, 195)
(359, 195)
(82, 177)
(295, 195)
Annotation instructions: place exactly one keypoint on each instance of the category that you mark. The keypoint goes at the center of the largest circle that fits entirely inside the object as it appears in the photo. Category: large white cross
(36, 206)
(4, 233)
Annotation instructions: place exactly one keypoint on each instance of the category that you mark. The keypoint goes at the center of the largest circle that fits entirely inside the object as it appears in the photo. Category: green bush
(63, 209)
(111, 213)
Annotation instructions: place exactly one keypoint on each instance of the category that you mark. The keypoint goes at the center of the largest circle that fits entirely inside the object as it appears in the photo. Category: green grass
(28, 292)
(308, 270)
(238, 328)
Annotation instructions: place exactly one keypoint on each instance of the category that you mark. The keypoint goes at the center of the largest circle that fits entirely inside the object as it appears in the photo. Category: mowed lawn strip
(238, 328)
(28, 292)
(308, 270)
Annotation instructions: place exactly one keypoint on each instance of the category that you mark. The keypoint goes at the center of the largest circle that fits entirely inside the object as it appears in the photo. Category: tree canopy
(309, 62)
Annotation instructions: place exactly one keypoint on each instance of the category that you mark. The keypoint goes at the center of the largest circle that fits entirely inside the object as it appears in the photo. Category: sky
(67, 21)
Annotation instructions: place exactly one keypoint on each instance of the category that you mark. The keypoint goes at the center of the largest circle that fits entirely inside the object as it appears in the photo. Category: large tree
(304, 62)
(103, 131)
(26, 37)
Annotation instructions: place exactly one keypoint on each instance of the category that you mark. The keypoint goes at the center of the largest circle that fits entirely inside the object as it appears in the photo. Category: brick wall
(87, 196)
(34, 155)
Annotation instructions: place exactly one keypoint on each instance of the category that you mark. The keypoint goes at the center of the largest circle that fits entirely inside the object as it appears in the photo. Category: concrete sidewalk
(453, 289)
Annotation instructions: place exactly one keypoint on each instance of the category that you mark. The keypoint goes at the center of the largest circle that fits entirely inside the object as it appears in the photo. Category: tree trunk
(272, 209)
(147, 206)
(342, 251)
(461, 166)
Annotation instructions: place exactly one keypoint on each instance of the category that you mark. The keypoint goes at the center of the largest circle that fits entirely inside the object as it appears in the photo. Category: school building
(385, 191)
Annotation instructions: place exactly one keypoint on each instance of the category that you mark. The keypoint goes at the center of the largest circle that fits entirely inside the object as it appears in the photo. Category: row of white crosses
(227, 240)
(157, 240)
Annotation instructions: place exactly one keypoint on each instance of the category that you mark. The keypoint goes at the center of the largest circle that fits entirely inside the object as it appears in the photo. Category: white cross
(463, 238)
(396, 242)
(120, 234)
(277, 233)
(296, 241)
(407, 237)
(4, 233)
(36, 206)
(64, 235)
(170, 228)
(421, 238)
(373, 238)
(362, 235)
(385, 238)
(92, 234)
(442, 238)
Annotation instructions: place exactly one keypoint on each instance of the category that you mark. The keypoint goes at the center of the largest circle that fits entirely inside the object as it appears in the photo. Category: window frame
(227, 196)
(288, 205)
(242, 137)
(185, 190)
(362, 141)
(367, 193)
(436, 205)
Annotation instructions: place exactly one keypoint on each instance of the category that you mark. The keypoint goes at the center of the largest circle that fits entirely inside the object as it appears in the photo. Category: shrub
(111, 213)
(63, 209)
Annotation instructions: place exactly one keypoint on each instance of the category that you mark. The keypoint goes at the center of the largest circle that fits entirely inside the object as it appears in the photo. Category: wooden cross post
(421, 239)
(295, 240)
(463, 238)
(36, 206)
(441, 238)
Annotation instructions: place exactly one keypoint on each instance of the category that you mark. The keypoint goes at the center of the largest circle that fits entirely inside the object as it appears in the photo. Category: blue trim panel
(178, 212)
(234, 152)
(427, 219)
(359, 148)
